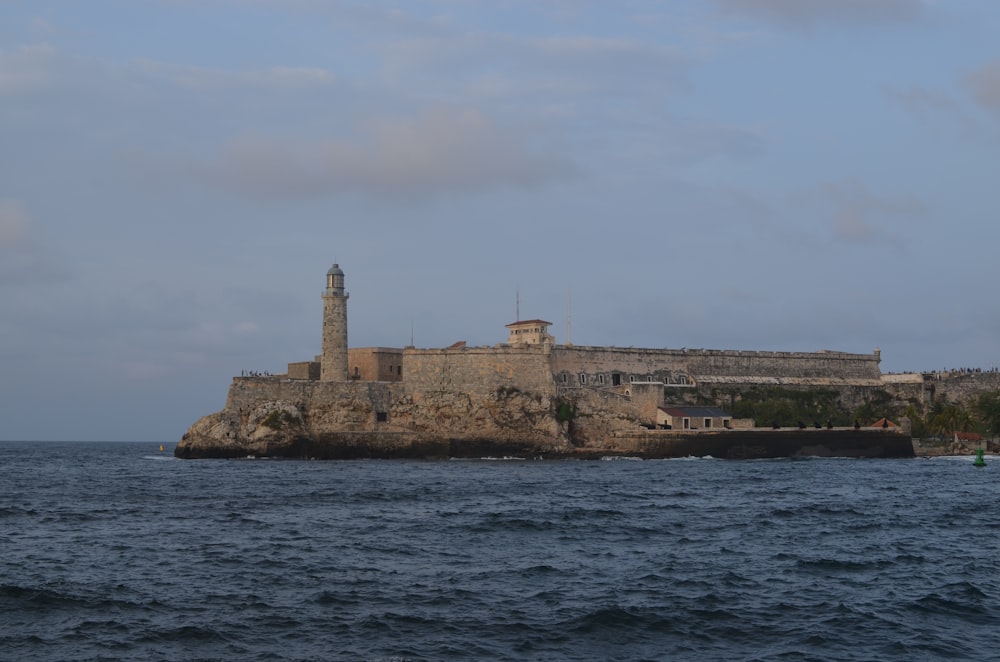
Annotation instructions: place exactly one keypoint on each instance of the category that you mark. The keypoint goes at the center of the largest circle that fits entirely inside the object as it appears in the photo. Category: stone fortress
(528, 395)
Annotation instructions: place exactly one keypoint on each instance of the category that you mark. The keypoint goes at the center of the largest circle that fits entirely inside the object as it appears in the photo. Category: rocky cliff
(293, 418)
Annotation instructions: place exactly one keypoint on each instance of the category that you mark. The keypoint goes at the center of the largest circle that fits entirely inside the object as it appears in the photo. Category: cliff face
(270, 417)
(290, 418)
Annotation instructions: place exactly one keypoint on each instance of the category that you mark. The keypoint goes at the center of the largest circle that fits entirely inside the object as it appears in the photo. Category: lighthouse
(333, 365)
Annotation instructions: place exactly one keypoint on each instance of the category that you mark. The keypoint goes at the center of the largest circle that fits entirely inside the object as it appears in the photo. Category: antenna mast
(569, 298)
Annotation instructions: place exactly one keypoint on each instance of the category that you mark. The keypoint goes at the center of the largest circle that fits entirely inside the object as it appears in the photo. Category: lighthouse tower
(333, 365)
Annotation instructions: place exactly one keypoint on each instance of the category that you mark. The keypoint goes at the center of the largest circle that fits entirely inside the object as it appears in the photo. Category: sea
(118, 551)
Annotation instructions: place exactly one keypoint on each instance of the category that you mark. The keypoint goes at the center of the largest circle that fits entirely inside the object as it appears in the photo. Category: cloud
(539, 67)
(807, 13)
(13, 224)
(22, 263)
(441, 150)
(206, 78)
(859, 216)
(984, 84)
(940, 110)
(18, 258)
(920, 101)
(25, 69)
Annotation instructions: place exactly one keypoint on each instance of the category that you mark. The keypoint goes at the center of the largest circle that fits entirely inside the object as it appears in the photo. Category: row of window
(600, 379)
(707, 423)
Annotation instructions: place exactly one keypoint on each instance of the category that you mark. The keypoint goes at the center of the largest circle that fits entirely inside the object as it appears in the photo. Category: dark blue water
(117, 551)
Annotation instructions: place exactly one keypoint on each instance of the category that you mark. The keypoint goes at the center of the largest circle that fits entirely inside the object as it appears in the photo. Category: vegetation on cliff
(280, 419)
(789, 407)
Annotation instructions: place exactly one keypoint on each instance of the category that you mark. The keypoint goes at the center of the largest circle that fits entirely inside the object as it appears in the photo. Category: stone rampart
(960, 387)
(246, 393)
(478, 370)
(614, 365)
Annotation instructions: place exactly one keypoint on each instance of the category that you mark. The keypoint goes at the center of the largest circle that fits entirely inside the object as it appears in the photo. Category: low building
(693, 418)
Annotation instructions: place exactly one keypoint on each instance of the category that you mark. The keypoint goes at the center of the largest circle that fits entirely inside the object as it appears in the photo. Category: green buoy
(980, 462)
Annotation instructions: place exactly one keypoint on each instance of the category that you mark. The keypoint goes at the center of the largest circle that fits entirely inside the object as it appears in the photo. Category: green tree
(918, 423)
(879, 405)
(988, 410)
(946, 419)
(788, 407)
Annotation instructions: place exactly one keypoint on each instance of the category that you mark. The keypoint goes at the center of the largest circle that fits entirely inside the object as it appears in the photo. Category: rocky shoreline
(646, 444)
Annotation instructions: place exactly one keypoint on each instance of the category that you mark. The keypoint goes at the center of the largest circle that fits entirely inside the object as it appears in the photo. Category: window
(600, 378)
(565, 378)
(583, 378)
(687, 423)
(381, 416)
(631, 378)
(708, 422)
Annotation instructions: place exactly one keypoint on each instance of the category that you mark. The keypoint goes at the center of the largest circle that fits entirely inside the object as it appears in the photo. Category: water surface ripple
(117, 551)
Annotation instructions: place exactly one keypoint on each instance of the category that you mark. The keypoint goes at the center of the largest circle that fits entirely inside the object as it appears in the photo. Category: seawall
(765, 443)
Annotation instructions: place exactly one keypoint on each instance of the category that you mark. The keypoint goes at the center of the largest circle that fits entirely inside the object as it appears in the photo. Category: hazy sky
(177, 176)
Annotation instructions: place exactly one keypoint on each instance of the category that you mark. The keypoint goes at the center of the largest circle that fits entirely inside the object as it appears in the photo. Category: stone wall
(333, 405)
(959, 387)
(444, 401)
(603, 366)
(478, 370)
(375, 364)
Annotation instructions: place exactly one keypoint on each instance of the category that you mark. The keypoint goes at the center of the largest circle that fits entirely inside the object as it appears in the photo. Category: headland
(532, 397)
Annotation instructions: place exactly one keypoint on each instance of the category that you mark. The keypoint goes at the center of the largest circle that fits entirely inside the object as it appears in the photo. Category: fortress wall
(960, 387)
(479, 370)
(594, 361)
(660, 363)
(818, 365)
(245, 393)
(957, 387)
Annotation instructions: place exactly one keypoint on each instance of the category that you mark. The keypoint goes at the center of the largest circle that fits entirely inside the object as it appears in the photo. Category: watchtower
(529, 332)
(333, 362)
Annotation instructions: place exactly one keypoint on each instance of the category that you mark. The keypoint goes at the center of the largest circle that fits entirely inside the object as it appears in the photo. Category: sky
(177, 176)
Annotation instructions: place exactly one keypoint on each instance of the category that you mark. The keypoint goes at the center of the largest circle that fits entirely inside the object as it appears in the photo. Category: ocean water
(118, 551)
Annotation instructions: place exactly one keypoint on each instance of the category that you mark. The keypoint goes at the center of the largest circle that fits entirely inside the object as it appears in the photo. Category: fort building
(531, 358)
(529, 394)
